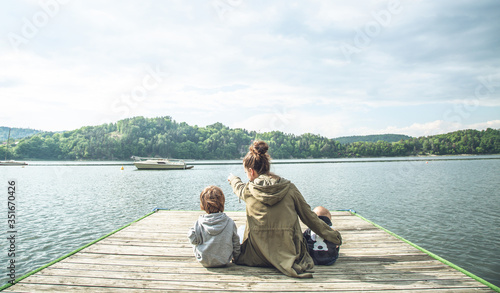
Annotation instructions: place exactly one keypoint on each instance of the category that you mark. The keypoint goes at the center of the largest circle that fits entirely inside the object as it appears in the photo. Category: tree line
(164, 137)
(372, 138)
(15, 133)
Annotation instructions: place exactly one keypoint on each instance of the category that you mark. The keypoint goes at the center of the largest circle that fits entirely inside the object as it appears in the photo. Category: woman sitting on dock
(273, 237)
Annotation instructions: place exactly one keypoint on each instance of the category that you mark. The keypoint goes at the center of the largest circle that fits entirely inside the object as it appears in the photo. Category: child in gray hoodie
(214, 235)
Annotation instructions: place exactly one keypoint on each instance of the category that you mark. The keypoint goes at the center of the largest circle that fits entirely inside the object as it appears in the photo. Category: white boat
(160, 164)
(12, 163)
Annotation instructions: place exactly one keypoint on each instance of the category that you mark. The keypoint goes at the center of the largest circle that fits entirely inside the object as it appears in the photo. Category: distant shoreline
(280, 161)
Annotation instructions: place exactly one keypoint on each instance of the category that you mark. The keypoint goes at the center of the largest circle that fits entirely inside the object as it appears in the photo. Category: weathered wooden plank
(68, 268)
(158, 250)
(378, 242)
(380, 261)
(21, 288)
(241, 285)
(229, 274)
(190, 264)
(166, 235)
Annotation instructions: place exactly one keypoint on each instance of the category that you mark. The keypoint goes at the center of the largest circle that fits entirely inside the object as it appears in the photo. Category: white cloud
(424, 129)
(495, 124)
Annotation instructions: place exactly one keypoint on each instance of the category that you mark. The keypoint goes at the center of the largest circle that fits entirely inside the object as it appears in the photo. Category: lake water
(446, 205)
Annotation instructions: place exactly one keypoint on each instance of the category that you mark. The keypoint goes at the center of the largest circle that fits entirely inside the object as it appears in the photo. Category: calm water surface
(449, 207)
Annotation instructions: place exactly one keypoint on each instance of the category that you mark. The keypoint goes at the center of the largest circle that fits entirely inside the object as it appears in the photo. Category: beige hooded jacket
(273, 236)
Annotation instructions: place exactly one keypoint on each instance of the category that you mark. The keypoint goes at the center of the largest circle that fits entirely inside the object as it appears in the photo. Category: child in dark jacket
(323, 252)
(214, 235)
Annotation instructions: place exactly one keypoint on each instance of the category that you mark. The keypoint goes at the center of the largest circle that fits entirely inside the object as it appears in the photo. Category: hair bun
(257, 157)
(259, 147)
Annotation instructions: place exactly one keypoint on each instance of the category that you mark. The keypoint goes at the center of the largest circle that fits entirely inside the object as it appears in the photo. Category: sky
(333, 68)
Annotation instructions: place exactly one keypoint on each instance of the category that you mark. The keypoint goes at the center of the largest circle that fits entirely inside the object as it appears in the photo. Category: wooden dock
(154, 255)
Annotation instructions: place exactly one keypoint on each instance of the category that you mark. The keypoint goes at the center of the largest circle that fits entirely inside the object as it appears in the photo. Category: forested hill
(164, 137)
(16, 133)
(372, 138)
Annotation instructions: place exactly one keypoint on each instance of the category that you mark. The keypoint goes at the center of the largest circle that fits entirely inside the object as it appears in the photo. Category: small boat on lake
(12, 163)
(160, 164)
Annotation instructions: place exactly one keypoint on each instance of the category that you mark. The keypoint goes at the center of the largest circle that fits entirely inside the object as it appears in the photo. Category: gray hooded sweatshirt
(215, 239)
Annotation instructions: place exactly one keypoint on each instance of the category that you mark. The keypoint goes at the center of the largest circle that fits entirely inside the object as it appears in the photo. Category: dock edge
(5, 286)
(433, 255)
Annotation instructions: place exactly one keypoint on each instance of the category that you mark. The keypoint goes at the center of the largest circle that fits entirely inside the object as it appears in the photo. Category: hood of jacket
(214, 223)
(269, 189)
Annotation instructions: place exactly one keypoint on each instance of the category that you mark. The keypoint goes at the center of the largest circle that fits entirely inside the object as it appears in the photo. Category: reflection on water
(448, 207)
